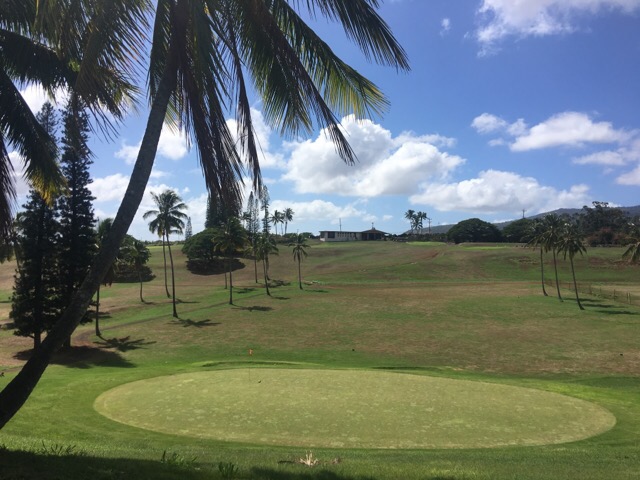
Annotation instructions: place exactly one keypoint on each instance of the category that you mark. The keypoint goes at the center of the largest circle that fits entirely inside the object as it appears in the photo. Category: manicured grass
(434, 311)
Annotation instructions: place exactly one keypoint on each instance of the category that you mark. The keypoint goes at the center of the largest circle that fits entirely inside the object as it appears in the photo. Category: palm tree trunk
(255, 267)
(173, 280)
(98, 333)
(140, 279)
(164, 255)
(266, 277)
(542, 274)
(299, 275)
(18, 390)
(230, 282)
(575, 284)
(555, 267)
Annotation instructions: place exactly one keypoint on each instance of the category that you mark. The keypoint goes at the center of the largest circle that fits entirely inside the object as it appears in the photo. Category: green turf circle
(351, 409)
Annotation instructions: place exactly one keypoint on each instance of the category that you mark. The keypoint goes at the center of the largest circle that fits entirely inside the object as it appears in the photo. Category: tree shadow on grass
(42, 466)
(123, 344)
(83, 357)
(244, 290)
(187, 322)
(255, 308)
(270, 473)
(608, 308)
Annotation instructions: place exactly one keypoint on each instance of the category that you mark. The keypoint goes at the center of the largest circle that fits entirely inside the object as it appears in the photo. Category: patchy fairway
(471, 322)
(351, 409)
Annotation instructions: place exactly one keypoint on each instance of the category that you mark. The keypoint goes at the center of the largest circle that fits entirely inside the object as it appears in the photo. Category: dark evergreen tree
(219, 211)
(35, 305)
(188, 230)
(78, 243)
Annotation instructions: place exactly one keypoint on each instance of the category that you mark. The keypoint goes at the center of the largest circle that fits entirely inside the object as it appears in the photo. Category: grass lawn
(397, 360)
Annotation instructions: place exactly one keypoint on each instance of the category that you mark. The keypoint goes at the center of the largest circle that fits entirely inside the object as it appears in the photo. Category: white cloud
(172, 145)
(20, 183)
(386, 166)
(109, 188)
(572, 129)
(267, 158)
(497, 191)
(445, 26)
(630, 178)
(36, 97)
(504, 18)
(488, 123)
(607, 158)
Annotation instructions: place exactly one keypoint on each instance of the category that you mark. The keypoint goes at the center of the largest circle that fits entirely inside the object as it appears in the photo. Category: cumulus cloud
(268, 158)
(387, 165)
(109, 188)
(566, 129)
(498, 191)
(607, 158)
(500, 19)
(172, 145)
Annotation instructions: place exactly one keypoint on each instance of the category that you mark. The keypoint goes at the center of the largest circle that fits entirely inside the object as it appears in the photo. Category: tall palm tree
(167, 218)
(103, 228)
(299, 252)
(230, 240)
(202, 55)
(410, 215)
(553, 226)
(536, 234)
(76, 44)
(265, 246)
(287, 216)
(137, 255)
(570, 242)
(277, 218)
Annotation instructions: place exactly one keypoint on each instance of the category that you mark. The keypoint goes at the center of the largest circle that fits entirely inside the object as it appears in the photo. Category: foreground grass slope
(462, 312)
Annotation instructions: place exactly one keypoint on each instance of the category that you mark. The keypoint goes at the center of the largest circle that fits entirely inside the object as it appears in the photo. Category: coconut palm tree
(44, 43)
(570, 242)
(202, 55)
(265, 246)
(553, 226)
(167, 218)
(277, 218)
(137, 255)
(287, 216)
(299, 252)
(536, 234)
(230, 240)
(410, 215)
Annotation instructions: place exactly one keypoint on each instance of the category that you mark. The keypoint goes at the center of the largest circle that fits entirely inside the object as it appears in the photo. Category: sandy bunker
(351, 409)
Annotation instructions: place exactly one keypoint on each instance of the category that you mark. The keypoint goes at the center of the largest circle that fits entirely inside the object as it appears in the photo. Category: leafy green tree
(230, 240)
(571, 242)
(553, 226)
(101, 234)
(198, 249)
(474, 230)
(537, 240)
(299, 252)
(77, 244)
(302, 83)
(517, 231)
(252, 219)
(167, 218)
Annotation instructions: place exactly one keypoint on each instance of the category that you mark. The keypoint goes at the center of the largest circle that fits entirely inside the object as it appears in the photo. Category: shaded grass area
(444, 311)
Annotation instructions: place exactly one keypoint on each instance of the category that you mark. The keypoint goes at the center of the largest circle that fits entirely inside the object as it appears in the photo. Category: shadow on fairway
(83, 357)
(269, 473)
(123, 344)
(29, 465)
(608, 308)
(254, 308)
(187, 322)
(244, 290)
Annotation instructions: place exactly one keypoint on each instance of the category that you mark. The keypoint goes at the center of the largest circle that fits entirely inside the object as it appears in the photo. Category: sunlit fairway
(396, 361)
(351, 409)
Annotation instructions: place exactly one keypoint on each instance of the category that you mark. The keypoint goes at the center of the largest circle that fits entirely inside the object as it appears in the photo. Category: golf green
(351, 408)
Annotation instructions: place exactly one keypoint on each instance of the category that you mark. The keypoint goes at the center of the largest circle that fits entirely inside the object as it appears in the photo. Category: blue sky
(509, 106)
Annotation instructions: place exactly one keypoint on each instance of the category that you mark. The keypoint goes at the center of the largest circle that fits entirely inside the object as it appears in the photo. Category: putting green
(351, 409)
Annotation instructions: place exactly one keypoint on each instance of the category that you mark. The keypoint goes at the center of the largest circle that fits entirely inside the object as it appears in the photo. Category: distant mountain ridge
(630, 212)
